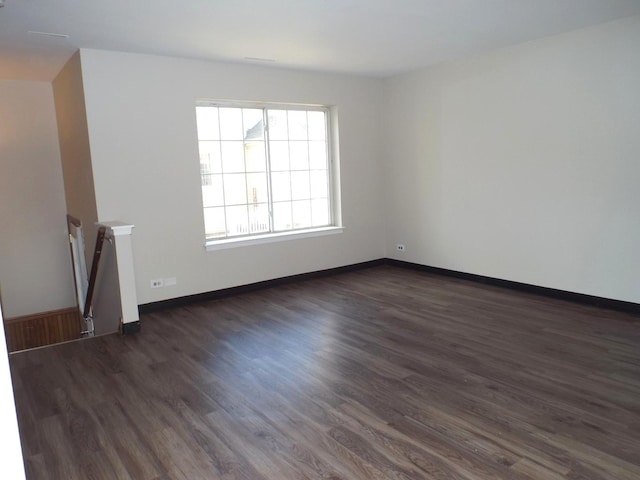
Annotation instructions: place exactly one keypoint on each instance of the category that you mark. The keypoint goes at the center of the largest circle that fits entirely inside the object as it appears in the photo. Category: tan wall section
(35, 264)
(75, 151)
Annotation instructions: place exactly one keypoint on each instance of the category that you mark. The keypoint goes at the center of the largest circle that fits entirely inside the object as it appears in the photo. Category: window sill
(214, 245)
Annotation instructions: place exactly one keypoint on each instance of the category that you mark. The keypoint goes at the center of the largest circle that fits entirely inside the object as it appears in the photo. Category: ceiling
(365, 37)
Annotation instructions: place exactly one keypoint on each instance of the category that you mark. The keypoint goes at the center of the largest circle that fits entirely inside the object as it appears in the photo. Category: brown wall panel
(42, 329)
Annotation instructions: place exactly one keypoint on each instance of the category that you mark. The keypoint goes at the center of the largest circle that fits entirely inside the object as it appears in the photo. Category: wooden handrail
(94, 270)
(74, 221)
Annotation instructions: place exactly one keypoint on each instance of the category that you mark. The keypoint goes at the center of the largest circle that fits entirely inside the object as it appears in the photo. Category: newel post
(121, 233)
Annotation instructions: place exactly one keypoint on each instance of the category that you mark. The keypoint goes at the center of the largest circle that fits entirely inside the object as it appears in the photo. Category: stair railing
(88, 311)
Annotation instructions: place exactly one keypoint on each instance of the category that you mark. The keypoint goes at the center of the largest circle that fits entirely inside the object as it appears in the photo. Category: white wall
(35, 265)
(524, 163)
(142, 131)
(10, 449)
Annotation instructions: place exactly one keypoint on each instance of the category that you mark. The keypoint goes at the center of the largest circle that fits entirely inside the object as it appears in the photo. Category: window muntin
(264, 169)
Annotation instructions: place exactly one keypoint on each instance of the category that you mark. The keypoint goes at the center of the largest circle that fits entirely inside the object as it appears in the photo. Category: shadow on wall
(107, 301)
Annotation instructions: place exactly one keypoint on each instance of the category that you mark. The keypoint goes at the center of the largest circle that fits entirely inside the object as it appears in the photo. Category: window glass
(263, 169)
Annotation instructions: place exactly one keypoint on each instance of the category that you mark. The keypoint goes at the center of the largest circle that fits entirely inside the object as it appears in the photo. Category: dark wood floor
(383, 373)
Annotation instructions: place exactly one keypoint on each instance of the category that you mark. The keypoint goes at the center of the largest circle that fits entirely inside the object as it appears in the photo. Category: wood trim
(227, 292)
(602, 302)
(608, 303)
(44, 328)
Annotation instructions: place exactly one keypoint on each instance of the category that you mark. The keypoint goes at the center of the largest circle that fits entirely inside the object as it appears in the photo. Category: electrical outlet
(170, 282)
(400, 247)
(157, 283)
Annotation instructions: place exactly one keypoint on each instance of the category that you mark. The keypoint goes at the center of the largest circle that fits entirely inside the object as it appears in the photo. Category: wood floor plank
(376, 374)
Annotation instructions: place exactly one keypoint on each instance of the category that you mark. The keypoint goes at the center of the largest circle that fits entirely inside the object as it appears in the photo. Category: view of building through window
(263, 169)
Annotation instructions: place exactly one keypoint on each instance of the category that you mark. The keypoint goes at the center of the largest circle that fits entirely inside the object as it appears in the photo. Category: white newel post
(121, 233)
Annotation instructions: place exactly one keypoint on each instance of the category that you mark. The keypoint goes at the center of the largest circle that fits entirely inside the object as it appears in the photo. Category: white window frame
(334, 226)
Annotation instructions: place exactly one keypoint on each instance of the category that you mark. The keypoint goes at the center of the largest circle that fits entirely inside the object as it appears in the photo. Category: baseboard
(227, 292)
(608, 303)
(131, 327)
(44, 328)
(611, 304)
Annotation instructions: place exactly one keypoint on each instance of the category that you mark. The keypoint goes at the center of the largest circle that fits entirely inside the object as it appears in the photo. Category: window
(264, 169)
